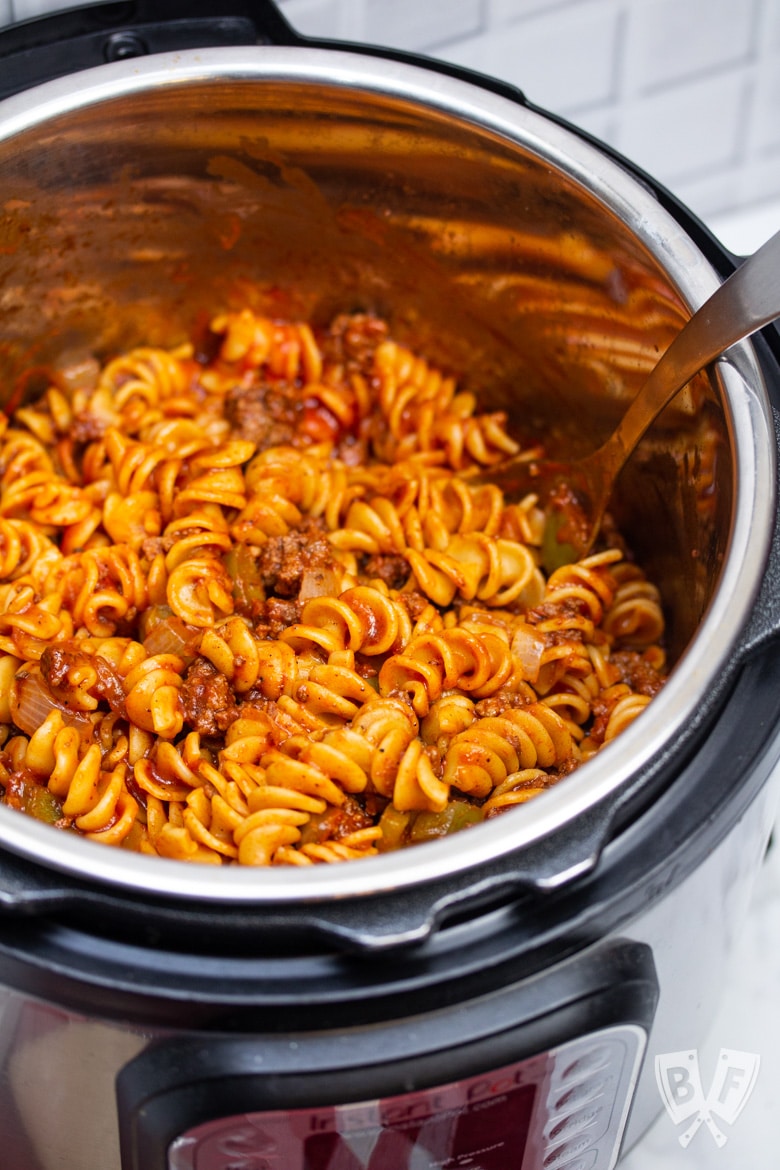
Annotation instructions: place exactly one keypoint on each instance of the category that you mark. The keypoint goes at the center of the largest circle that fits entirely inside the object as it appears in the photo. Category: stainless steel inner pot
(139, 198)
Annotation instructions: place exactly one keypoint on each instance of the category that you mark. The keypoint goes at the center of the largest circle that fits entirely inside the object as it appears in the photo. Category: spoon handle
(747, 300)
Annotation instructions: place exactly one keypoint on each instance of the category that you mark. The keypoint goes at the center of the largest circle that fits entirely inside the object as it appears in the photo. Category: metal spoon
(746, 301)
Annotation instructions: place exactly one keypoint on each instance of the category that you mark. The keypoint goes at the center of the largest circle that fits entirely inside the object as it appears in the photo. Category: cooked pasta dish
(253, 611)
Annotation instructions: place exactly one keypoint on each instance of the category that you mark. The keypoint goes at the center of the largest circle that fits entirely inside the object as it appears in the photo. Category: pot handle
(41, 50)
(763, 626)
(384, 922)
(36, 51)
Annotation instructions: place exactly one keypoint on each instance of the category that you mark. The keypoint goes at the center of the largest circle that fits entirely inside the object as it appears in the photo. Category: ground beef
(276, 615)
(353, 449)
(550, 610)
(565, 768)
(601, 710)
(336, 823)
(152, 545)
(272, 411)
(571, 611)
(636, 672)
(351, 342)
(266, 413)
(206, 698)
(498, 704)
(284, 559)
(86, 427)
(389, 567)
(414, 602)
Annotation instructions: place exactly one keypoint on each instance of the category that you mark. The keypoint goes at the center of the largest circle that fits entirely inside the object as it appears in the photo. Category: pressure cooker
(493, 1000)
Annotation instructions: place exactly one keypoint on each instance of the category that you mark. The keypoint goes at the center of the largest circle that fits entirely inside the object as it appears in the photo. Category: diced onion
(169, 636)
(318, 583)
(32, 701)
(76, 372)
(528, 647)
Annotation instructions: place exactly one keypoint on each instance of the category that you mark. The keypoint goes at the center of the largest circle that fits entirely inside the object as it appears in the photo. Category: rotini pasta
(252, 612)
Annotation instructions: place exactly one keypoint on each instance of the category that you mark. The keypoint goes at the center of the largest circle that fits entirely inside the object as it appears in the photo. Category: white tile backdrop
(689, 89)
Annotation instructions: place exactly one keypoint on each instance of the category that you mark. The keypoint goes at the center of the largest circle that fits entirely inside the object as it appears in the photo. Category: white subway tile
(511, 11)
(770, 24)
(764, 128)
(415, 24)
(329, 19)
(711, 195)
(313, 18)
(563, 64)
(743, 229)
(687, 129)
(759, 180)
(600, 122)
(672, 40)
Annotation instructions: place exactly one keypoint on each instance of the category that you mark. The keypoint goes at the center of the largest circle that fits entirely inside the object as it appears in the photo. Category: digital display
(479, 1124)
(564, 1109)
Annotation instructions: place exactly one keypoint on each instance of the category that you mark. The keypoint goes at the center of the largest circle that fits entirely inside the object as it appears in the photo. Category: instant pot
(495, 1000)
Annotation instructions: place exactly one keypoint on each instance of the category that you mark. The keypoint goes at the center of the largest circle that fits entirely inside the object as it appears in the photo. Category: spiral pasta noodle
(252, 613)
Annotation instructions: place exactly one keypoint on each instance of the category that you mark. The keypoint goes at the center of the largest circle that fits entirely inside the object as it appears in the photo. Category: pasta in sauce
(252, 612)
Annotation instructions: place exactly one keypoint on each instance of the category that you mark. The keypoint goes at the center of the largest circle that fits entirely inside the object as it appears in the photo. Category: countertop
(749, 1018)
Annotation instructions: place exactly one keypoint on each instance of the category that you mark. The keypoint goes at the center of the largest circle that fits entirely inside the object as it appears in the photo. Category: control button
(590, 1062)
(575, 1122)
(582, 1092)
(562, 1156)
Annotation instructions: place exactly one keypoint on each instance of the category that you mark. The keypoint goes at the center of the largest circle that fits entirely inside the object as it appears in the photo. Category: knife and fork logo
(679, 1082)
